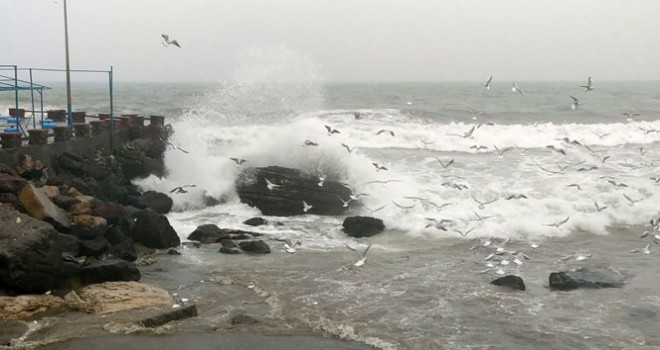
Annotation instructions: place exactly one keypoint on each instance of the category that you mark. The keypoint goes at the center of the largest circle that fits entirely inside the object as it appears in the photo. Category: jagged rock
(208, 234)
(121, 244)
(65, 202)
(11, 183)
(110, 211)
(111, 297)
(110, 270)
(229, 247)
(5, 169)
(363, 226)
(67, 243)
(51, 192)
(295, 187)
(94, 247)
(141, 158)
(257, 247)
(29, 259)
(159, 202)
(169, 316)
(510, 281)
(83, 205)
(11, 330)
(24, 306)
(88, 227)
(586, 278)
(173, 251)
(154, 230)
(11, 199)
(37, 204)
(257, 221)
(31, 169)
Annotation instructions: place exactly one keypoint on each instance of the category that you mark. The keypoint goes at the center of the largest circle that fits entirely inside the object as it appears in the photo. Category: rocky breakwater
(283, 191)
(73, 220)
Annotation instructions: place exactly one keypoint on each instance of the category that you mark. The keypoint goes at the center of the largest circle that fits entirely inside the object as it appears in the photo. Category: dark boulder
(257, 247)
(294, 187)
(65, 202)
(110, 270)
(67, 243)
(173, 251)
(586, 278)
(510, 281)
(89, 227)
(141, 158)
(10, 199)
(229, 247)
(208, 233)
(94, 247)
(363, 226)
(256, 221)
(169, 316)
(31, 169)
(110, 211)
(159, 202)
(29, 258)
(11, 183)
(154, 230)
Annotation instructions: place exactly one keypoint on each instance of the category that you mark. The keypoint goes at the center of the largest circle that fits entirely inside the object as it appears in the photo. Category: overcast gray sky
(346, 40)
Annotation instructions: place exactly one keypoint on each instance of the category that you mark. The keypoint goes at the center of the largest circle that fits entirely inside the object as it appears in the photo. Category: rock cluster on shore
(79, 220)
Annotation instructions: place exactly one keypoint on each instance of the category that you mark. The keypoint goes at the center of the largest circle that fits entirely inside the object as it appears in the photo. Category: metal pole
(112, 115)
(68, 69)
(34, 119)
(18, 123)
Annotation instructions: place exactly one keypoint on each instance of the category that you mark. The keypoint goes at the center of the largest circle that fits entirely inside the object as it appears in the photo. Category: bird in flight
(167, 42)
(238, 161)
(516, 88)
(487, 83)
(575, 103)
(181, 189)
(589, 86)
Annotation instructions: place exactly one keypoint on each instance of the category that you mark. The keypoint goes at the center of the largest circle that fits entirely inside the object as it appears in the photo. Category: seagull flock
(500, 256)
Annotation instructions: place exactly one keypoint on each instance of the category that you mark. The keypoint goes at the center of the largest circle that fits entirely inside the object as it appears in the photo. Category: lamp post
(68, 71)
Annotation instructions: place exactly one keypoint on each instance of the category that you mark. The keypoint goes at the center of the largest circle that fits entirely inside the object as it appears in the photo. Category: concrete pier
(42, 144)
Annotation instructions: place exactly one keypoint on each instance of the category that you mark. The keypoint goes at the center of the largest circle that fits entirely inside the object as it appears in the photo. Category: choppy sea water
(422, 287)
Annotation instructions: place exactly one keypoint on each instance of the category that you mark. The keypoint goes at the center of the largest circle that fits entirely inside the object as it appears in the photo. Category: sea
(569, 188)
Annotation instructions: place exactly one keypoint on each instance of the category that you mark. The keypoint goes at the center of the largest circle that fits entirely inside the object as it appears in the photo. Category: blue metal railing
(9, 83)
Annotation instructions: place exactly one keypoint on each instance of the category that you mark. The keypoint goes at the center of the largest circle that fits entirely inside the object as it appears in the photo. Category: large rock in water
(510, 281)
(29, 258)
(109, 271)
(159, 202)
(586, 278)
(211, 233)
(154, 230)
(363, 226)
(293, 187)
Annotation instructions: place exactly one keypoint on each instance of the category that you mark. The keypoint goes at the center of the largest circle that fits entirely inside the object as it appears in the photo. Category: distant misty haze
(339, 40)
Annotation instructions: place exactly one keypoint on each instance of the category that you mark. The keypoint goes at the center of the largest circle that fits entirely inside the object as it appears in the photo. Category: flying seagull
(238, 161)
(288, 247)
(379, 167)
(348, 148)
(589, 86)
(331, 130)
(487, 83)
(362, 257)
(181, 189)
(599, 208)
(306, 207)
(575, 103)
(559, 223)
(167, 42)
(385, 131)
(310, 143)
(516, 88)
(173, 145)
(445, 165)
